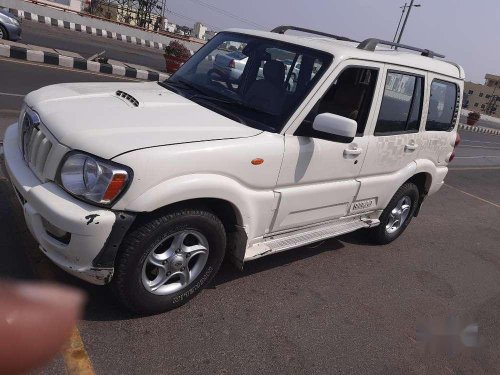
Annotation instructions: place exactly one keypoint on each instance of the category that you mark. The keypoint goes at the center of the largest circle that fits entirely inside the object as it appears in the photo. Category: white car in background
(296, 69)
(159, 182)
(230, 65)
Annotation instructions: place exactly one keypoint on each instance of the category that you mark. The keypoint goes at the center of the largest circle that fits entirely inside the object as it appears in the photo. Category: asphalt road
(87, 45)
(341, 306)
(18, 78)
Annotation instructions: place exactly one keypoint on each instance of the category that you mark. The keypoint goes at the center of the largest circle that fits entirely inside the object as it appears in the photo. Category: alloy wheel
(398, 215)
(175, 262)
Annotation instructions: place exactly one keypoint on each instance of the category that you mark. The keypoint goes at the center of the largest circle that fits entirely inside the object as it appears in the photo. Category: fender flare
(254, 206)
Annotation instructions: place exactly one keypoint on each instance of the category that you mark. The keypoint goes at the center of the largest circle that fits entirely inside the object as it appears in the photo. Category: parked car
(10, 26)
(230, 65)
(154, 187)
(296, 69)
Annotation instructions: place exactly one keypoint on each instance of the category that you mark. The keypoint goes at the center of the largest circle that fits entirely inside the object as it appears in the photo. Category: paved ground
(341, 306)
(87, 45)
(482, 122)
(18, 78)
(478, 150)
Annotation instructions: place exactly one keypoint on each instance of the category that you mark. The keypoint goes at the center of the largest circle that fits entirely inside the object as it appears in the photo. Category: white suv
(148, 186)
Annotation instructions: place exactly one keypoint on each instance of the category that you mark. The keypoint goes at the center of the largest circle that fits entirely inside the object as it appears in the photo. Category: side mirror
(336, 125)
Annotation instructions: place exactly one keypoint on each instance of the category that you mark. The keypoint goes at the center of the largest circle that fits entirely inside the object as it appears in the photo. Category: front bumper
(46, 206)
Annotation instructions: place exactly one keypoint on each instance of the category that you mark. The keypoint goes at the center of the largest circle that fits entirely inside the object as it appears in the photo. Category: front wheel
(165, 262)
(397, 215)
(3, 33)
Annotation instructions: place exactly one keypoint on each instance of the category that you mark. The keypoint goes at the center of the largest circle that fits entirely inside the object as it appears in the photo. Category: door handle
(352, 151)
(411, 147)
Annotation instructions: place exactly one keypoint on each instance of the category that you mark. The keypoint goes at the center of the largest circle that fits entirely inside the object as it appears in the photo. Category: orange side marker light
(257, 161)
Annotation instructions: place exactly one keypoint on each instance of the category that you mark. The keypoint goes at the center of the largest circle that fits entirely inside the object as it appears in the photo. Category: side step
(301, 237)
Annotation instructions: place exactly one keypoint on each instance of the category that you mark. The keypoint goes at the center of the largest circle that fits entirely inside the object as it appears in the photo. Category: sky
(465, 31)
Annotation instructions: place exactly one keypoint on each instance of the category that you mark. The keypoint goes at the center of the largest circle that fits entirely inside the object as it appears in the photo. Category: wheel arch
(226, 211)
(6, 31)
(423, 181)
(245, 212)
(252, 208)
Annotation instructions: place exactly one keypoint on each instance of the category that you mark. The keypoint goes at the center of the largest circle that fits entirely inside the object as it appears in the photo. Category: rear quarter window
(443, 106)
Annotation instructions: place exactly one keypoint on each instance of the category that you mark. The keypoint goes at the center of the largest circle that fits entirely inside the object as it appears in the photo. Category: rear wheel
(168, 260)
(3, 33)
(397, 215)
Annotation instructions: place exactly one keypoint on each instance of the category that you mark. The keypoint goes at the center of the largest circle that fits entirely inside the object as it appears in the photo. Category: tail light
(457, 142)
(232, 64)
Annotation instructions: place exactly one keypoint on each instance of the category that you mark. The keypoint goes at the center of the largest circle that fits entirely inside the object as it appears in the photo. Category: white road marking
(473, 196)
(486, 147)
(12, 94)
(467, 140)
(474, 168)
(477, 157)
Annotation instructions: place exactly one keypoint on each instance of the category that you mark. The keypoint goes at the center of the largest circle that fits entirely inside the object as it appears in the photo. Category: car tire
(137, 270)
(3, 33)
(396, 216)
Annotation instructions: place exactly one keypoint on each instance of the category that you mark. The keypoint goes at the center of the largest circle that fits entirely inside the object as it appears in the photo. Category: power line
(228, 14)
(191, 19)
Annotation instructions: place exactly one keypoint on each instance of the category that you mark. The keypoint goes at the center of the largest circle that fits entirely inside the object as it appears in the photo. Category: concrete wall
(87, 21)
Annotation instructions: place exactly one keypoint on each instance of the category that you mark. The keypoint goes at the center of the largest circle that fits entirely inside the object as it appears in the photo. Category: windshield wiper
(216, 99)
(180, 84)
(169, 86)
(211, 100)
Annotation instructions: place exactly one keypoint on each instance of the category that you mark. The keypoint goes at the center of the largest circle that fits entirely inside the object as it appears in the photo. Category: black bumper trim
(107, 255)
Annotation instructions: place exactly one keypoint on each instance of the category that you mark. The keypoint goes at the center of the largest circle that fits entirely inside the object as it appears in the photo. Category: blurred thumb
(36, 319)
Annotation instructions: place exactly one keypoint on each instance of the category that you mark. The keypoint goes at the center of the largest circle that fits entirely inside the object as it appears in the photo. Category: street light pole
(399, 23)
(406, 19)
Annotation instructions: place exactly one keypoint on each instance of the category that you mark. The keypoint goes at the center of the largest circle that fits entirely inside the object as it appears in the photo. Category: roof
(346, 49)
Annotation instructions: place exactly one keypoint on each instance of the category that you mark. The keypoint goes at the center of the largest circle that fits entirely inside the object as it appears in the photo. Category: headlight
(92, 179)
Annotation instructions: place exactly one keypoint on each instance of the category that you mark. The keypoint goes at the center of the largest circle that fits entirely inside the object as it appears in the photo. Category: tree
(144, 12)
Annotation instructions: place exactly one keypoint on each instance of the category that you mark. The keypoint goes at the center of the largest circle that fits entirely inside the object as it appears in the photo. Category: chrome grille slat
(36, 146)
(37, 139)
(30, 145)
(42, 154)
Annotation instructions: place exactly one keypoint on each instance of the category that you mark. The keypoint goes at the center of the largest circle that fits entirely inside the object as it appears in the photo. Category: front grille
(35, 145)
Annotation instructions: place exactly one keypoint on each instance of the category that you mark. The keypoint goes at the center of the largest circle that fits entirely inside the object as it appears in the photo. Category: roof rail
(283, 29)
(372, 43)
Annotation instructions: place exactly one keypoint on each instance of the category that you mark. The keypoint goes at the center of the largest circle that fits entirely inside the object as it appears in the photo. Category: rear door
(439, 133)
(395, 140)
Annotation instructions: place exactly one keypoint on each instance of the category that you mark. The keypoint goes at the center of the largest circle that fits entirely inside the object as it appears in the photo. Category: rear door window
(443, 106)
(401, 107)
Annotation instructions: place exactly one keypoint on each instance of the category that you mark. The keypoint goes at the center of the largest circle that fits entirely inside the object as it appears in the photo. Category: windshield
(256, 81)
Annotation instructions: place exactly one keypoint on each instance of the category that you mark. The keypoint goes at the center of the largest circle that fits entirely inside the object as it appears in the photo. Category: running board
(281, 242)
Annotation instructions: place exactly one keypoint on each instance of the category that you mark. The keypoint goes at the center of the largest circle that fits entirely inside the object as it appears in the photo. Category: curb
(478, 129)
(51, 58)
(87, 29)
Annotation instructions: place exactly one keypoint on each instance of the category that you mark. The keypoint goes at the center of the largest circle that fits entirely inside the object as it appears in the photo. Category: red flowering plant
(178, 50)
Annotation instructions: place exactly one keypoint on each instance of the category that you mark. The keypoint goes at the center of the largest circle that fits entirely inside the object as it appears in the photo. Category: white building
(199, 30)
(169, 27)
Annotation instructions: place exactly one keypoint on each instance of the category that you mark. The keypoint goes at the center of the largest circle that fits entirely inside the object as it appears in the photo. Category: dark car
(10, 26)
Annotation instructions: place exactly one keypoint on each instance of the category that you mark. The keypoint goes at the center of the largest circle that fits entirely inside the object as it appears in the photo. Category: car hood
(108, 119)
